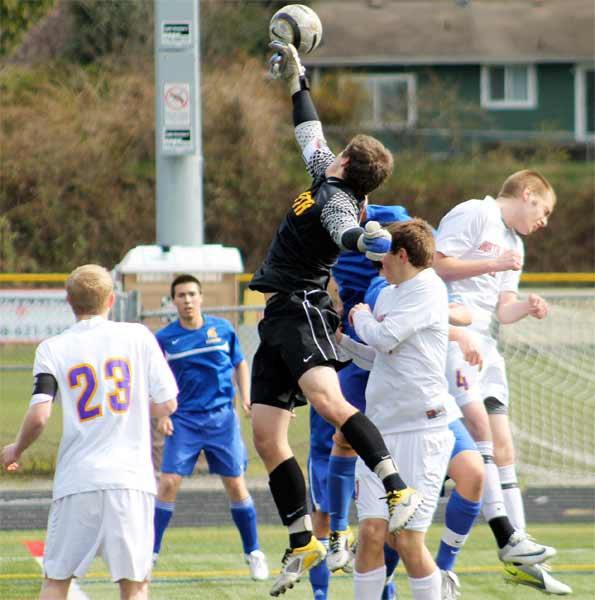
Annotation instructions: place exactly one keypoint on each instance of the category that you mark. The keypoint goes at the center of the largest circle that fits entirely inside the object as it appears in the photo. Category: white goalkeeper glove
(374, 242)
(285, 64)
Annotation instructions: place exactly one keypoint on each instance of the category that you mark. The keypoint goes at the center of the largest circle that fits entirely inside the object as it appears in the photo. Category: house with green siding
(481, 70)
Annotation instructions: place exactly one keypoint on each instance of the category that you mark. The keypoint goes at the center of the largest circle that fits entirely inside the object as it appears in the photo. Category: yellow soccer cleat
(402, 505)
(296, 562)
(537, 577)
(339, 551)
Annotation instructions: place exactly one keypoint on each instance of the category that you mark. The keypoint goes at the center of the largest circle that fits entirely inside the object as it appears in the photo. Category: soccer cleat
(451, 588)
(390, 590)
(402, 505)
(521, 549)
(339, 554)
(257, 563)
(537, 577)
(296, 562)
(154, 560)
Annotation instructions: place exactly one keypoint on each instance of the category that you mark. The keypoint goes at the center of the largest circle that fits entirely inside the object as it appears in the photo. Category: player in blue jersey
(205, 356)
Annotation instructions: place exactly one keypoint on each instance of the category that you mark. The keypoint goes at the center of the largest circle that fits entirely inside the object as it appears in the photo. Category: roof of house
(397, 32)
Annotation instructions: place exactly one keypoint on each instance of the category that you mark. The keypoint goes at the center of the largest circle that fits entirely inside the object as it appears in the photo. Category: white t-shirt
(407, 388)
(474, 230)
(106, 373)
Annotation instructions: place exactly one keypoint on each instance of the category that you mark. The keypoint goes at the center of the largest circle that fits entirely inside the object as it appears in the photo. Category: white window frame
(411, 81)
(528, 104)
(580, 103)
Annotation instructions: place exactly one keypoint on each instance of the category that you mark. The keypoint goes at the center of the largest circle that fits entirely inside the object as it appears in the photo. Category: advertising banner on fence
(33, 315)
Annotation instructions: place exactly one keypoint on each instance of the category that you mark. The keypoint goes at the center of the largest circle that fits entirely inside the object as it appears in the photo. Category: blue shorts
(317, 478)
(463, 439)
(217, 432)
(353, 382)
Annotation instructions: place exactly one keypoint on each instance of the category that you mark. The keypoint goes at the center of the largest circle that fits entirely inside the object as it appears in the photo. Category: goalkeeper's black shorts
(297, 333)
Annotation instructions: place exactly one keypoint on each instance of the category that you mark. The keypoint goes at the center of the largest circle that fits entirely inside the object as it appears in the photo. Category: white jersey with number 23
(107, 373)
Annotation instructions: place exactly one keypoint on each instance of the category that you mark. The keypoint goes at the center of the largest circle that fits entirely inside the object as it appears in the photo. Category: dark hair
(370, 163)
(417, 237)
(183, 279)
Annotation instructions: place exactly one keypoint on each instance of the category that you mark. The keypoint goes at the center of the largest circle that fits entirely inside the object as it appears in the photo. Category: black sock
(394, 482)
(297, 540)
(288, 487)
(502, 530)
(363, 436)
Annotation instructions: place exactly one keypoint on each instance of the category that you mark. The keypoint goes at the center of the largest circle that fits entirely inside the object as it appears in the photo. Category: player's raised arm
(286, 64)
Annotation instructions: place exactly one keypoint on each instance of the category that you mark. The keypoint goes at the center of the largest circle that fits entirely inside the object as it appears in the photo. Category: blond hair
(88, 288)
(515, 184)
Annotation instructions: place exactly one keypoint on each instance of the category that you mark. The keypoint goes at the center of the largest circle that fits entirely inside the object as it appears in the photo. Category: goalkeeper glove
(285, 64)
(375, 241)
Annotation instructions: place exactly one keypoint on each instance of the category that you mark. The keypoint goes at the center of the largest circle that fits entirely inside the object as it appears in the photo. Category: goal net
(551, 372)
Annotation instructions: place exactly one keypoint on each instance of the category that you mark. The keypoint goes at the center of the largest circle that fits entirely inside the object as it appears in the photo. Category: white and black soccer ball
(296, 24)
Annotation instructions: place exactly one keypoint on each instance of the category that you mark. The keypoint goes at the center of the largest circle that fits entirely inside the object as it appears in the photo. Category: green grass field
(206, 563)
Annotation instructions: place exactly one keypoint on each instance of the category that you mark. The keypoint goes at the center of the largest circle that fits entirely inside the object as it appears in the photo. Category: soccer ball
(298, 25)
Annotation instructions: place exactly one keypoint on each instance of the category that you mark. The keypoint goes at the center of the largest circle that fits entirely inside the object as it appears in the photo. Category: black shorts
(296, 334)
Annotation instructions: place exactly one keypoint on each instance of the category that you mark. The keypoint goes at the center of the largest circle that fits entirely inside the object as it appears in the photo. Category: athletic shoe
(257, 563)
(339, 555)
(296, 562)
(154, 560)
(402, 505)
(390, 591)
(521, 549)
(537, 577)
(451, 588)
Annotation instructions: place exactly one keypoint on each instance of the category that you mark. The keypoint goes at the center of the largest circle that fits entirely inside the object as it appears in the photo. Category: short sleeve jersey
(407, 389)
(474, 230)
(203, 361)
(106, 373)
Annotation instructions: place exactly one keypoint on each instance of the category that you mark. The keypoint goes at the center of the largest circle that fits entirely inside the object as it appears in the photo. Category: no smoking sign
(176, 104)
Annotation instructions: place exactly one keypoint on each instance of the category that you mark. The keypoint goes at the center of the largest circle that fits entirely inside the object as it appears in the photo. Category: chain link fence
(549, 364)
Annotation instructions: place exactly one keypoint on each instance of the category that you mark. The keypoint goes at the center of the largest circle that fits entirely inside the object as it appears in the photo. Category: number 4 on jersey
(462, 380)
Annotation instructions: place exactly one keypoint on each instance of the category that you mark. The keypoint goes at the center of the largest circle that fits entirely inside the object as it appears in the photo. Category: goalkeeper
(297, 352)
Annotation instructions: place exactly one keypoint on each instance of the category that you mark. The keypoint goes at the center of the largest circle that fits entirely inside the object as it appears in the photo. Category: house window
(387, 100)
(508, 86)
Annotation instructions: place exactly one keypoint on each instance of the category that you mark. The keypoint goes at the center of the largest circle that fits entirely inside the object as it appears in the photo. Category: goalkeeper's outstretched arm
(286, 64)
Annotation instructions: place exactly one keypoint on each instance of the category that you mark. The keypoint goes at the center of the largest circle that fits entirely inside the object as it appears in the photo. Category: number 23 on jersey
(84, 378)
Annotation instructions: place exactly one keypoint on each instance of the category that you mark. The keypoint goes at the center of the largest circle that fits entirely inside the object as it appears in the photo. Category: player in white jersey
(406, 398)
(109, 378)
(479, 253)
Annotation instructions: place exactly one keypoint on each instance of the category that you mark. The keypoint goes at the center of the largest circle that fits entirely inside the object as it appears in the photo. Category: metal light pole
(179, 160)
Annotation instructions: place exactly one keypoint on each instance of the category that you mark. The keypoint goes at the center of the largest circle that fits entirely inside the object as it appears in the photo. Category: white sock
(369, 585)
(513, 499)
(493, 500)
(427, 588)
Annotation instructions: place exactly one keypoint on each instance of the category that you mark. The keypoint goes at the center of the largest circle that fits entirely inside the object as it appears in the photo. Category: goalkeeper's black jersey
(305, 246)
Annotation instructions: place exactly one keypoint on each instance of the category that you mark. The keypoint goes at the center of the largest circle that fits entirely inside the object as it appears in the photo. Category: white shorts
(115, 524)
(422, 459)
(468, 384)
